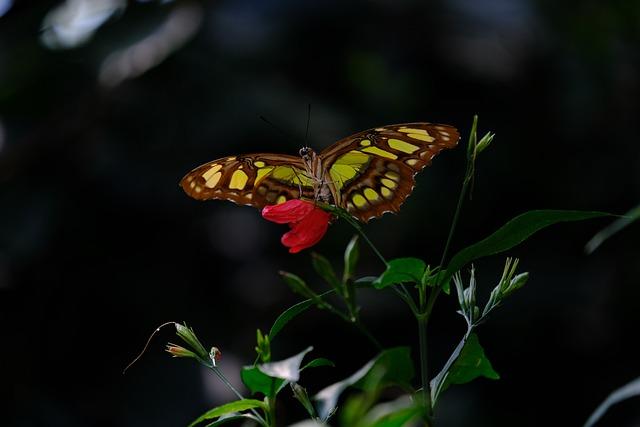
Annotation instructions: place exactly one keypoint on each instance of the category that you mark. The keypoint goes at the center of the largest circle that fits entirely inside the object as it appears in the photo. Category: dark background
(99, 245)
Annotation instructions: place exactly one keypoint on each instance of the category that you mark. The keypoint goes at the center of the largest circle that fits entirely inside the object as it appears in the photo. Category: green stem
(456, 216)
(365, 331)
(356, 322)
(272, 411)
(402, 291)
(424, 374)
(235, 391)
(355, 224)
(471, 159)
(360, 231)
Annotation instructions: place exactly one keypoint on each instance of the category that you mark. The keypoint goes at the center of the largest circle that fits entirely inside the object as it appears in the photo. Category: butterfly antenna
(306, 134)
(147, 345)
(279, 129)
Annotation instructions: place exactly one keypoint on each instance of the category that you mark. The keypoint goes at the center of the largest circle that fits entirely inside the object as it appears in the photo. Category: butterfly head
(307, 154)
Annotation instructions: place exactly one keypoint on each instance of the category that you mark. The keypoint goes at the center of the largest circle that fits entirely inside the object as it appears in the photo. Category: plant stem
(355, 224)
(424, 374)
(235, 391)
(471, 159)
(272, 411)
(456, 216)
(401, 291)
(360, 231)
(365, 331)
(356, 322)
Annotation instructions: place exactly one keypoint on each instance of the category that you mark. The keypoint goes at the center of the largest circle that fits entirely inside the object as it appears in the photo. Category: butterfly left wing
(253, 179)
(372, 172)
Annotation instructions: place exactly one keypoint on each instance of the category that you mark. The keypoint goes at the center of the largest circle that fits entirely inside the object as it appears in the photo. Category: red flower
(307, 221)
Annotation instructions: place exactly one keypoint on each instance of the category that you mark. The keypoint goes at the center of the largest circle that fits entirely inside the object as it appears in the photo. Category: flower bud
(178, 351)
(516, 283)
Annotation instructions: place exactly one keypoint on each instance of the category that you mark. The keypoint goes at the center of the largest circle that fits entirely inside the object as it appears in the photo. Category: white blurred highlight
(5, 5)
(73, 22)
(133, 61)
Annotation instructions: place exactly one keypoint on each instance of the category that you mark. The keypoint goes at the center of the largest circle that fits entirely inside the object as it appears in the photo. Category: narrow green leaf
(613, 228)
(321, 361)
(297, 285)
(237, 406)
(401, 270)
(287, 315)
(627, 391)
(351, 255)
(231, 417)
(511, 234)
(323, 267)
(365, 280)
(396, 364)
(259, 382)
(290, 313)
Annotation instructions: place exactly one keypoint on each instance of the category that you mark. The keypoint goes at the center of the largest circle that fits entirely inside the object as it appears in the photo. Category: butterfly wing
(372, 172)
(253, 179)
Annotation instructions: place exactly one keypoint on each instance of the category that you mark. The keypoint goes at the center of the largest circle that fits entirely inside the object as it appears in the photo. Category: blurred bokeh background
(106, 104)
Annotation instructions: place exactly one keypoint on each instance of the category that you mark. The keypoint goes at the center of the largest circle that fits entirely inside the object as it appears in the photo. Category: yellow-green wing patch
(253, 179)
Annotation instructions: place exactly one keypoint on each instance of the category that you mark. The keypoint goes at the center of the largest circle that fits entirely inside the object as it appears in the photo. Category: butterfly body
(368, 174)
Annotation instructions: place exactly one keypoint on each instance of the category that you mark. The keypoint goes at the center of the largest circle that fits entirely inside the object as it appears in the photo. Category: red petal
(308, 231)
(292, 210)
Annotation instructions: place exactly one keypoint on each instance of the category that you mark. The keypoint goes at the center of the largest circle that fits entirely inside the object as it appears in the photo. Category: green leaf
(367, 280)
(511, 234)
(321, 361)
(627, 391)
(323, 267)
(237, 406)
(401, 270)
(300, 394)
(397, 367)
(297, 285)
(394, 414)
(231, 417)
(471, 364)
(259, 382)
(292, 312)
(467, 363)
(351, 255)
(613, 228)
(287, 369)
(287, 315)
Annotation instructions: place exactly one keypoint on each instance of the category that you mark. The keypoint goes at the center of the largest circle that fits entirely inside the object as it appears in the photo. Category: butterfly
(368, 174)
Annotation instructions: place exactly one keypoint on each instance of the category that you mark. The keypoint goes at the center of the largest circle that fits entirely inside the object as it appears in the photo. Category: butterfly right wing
(256, 180)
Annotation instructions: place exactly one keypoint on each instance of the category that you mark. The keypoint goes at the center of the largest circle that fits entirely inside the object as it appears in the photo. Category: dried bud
(215, 355)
